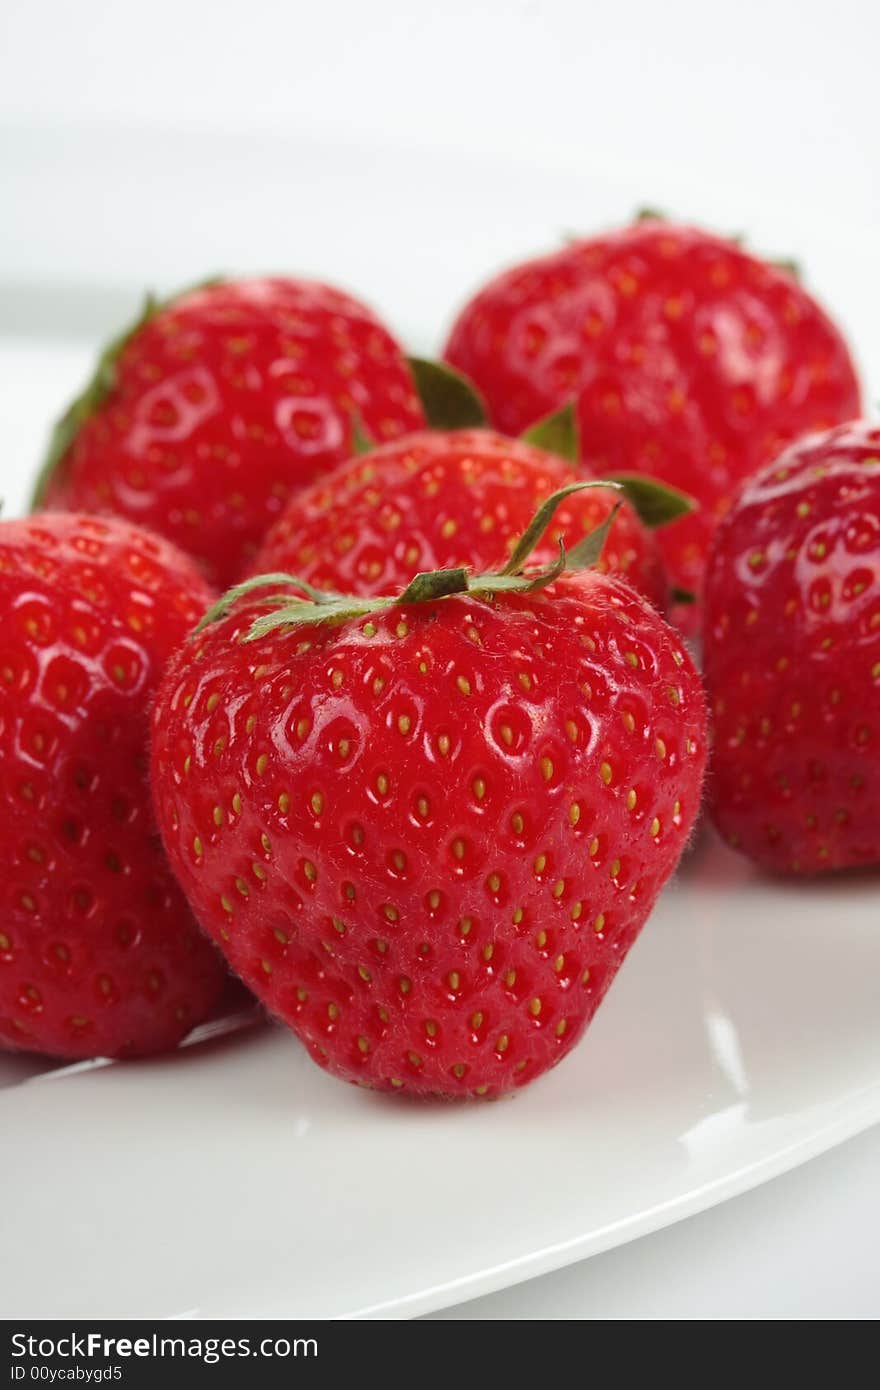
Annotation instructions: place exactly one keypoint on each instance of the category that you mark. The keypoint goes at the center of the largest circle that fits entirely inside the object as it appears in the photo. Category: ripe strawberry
(792, 657)
(99, 954)
(219, 404)
(435, 500)
(426, 831)
(691, 361)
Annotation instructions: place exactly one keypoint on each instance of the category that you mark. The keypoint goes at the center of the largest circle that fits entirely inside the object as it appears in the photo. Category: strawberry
(99, 954)
(427, 830)
(691, 361)
(218, 404)
(792, 657)
(436, 500)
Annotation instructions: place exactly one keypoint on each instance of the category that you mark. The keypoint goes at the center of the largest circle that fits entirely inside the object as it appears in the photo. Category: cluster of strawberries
(421, 772)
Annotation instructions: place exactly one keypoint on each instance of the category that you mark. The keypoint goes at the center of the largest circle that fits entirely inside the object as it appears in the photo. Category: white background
(154, 143)
(687, 96)
(456, 120)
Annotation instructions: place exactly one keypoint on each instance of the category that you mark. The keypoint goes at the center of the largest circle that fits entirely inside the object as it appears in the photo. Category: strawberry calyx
(450, 402)
(448, 399)
(787, 264)
(556, 433)
(314, 605)
(361, 443)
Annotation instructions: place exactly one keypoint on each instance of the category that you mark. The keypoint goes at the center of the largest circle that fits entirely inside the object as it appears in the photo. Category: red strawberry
(691, 361)
(218, 404)
(432, 501)
(99, 954)
(427, 832)
(792, 656)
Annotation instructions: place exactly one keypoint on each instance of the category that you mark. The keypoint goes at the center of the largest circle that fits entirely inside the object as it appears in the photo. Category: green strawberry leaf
(448, 399)
(557, 433)
(540, 578)
(588, 551)
(303, 611)
(656, 503)
(361, 443)
(541, 520)
(219, 609)
(791, 267)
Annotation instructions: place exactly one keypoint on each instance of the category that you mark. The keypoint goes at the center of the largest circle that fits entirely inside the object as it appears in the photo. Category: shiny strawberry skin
(690, 360)
(427, 837)
(440, 499)
(226, 401)
(99, 953)
(792, 657)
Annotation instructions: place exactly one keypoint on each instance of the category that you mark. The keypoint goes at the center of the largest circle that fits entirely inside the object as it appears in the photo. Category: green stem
(319, 606)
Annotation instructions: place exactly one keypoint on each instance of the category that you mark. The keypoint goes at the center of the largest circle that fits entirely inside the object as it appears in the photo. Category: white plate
(235, 1178)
